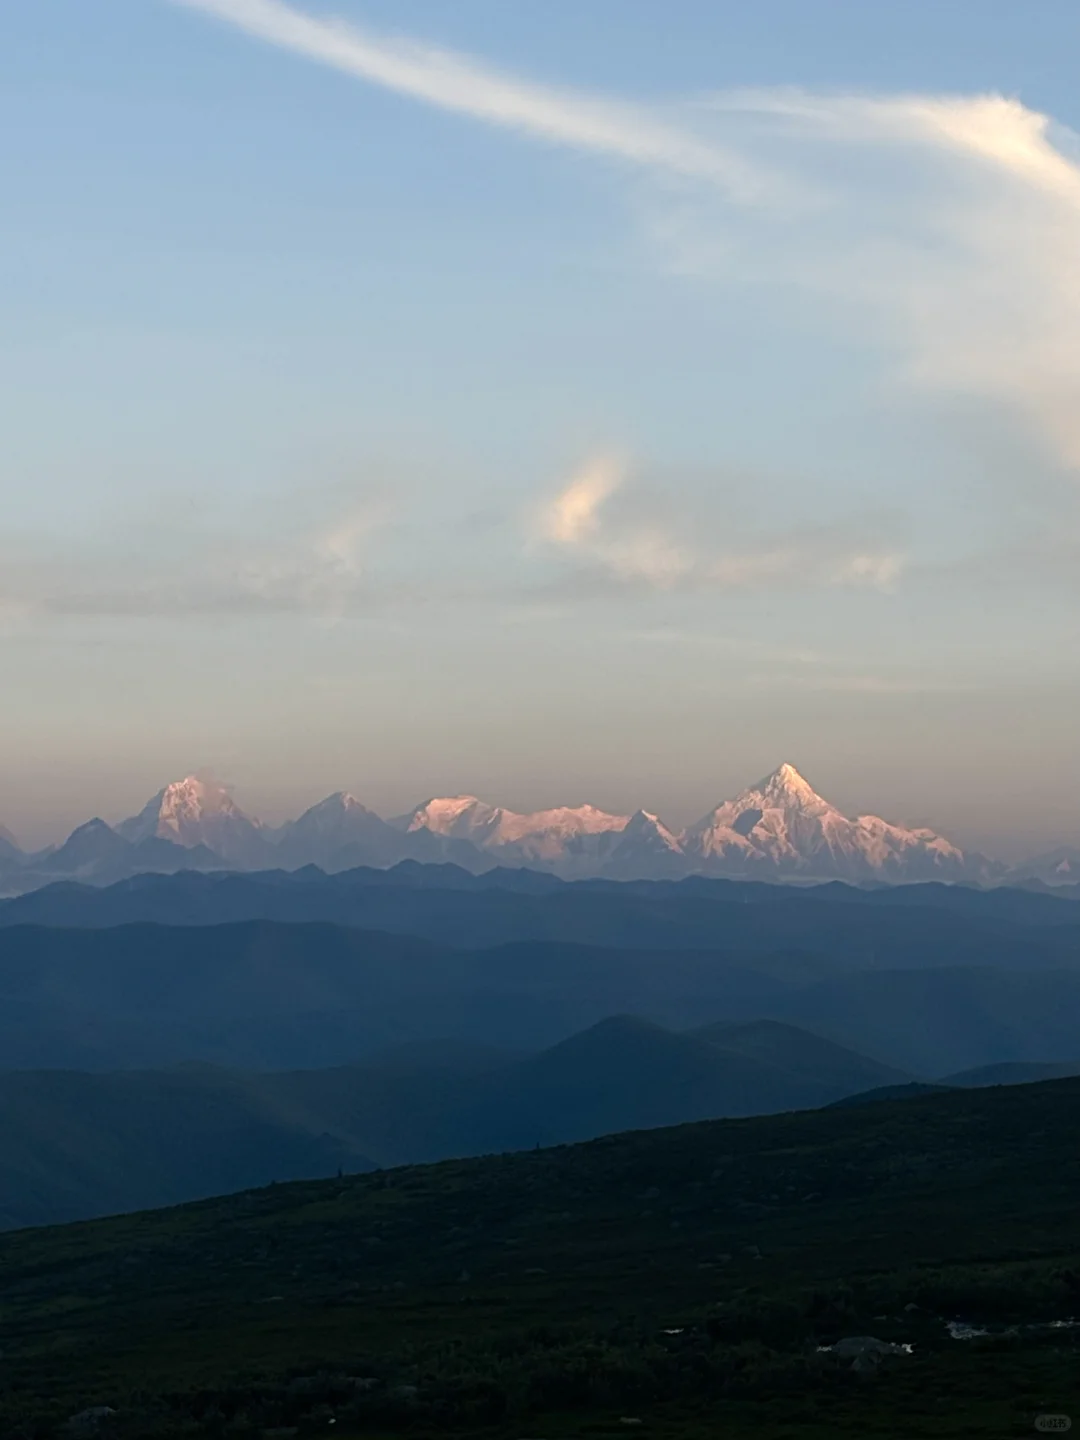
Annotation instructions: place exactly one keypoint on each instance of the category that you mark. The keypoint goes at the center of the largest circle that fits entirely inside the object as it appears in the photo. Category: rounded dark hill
(627, 1073)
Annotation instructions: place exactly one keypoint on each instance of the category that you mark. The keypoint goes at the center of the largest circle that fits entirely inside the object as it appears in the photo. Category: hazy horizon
(601, 402)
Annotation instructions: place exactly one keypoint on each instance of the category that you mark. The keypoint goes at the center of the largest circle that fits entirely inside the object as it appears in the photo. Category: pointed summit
(182, 808)
(88, 845)
(787, 776)
(198, 810)
(340, 803)
(782, 827)
(339, 833)
(644, 826)
(645, 849)
(785, 789)
(785, 784)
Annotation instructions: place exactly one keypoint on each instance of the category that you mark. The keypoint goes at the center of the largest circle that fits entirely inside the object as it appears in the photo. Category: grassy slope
(73, 1145)
(531, 1294)
(1017, 1072)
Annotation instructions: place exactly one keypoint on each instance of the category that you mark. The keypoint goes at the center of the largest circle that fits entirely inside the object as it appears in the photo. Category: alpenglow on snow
(780, 829)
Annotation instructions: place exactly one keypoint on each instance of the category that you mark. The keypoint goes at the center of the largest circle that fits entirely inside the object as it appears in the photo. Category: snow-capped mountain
(337, 833)
(779, 829)
(645, 849)
(88, 848)
(199, 811)
(1057, 867)
(564, 838)
(783, 828)
(455, 817)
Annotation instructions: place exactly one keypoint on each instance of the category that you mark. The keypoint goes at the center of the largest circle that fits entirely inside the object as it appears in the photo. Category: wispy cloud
(957, 245)
(996, 129)
(648, 553)
(952, 244)
(456, 82)
(150, 570)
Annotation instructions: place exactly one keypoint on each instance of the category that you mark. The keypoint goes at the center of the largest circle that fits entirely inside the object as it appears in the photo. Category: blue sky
(598, 401)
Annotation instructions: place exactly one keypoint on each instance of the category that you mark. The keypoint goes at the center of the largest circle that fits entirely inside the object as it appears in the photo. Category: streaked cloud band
(454, 82)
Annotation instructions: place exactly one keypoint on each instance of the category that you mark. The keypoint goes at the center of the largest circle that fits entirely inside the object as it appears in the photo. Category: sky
(604, 400)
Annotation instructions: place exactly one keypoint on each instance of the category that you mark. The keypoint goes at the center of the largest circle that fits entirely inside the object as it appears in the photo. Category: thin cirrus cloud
(647, 553)
(960, 249)
(439, 77)
(953, 248)
(172, 571)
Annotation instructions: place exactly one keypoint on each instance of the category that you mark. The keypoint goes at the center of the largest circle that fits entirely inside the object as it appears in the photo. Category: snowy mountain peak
(564, 838)
(338, 815)
(199, 811)
(785, 788)
(643, 824)
(779, 829)
(457, 816)
(765, 808)
(646, 833)
(338, 832)
(783, 827)
(189, 801)
(565, 820)
(341, 802)
(642, 819)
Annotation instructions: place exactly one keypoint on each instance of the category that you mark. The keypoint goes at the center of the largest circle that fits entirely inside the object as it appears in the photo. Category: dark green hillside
(683, 1277)
(75, 1145)
(911, 1091)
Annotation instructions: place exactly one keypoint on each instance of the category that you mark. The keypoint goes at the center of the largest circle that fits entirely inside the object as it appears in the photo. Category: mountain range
(174, 1035)
(74, 1145)
(923, 988)
(780, 829)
